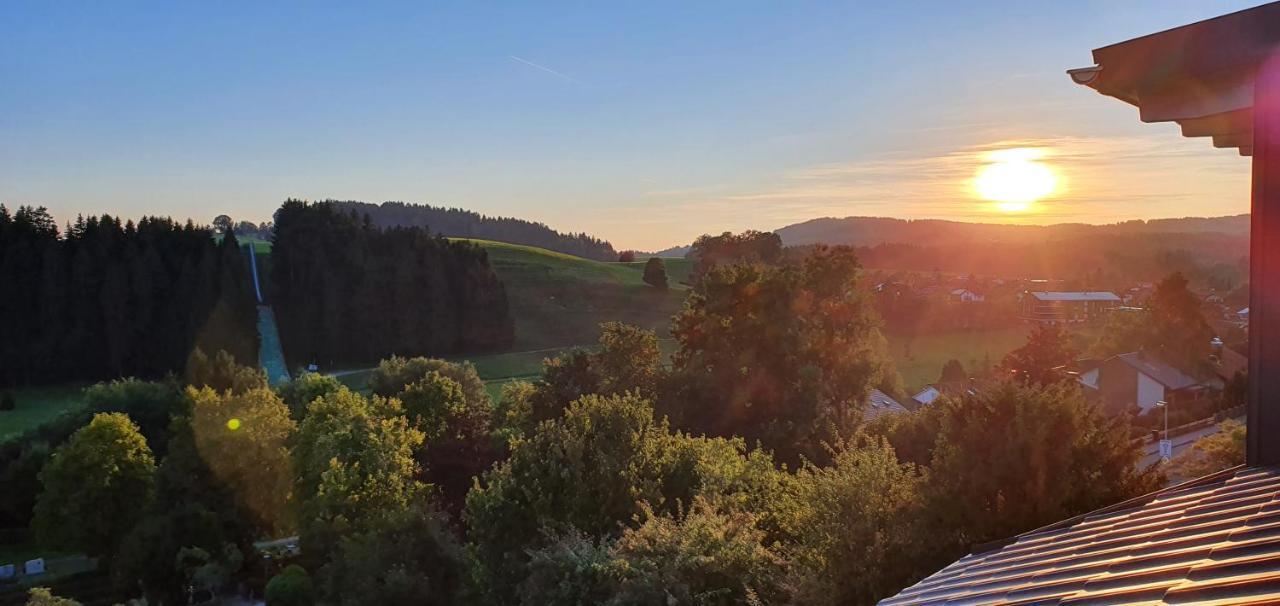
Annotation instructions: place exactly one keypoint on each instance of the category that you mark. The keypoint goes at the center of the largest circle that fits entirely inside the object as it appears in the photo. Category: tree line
(345, 290)
(461, 223)
(112, 298)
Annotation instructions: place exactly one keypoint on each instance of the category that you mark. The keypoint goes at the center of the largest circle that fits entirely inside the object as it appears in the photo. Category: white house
(965, 295)
(1138, 379)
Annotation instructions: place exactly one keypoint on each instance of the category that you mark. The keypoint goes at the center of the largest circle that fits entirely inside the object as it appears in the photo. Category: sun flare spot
(1014, 179)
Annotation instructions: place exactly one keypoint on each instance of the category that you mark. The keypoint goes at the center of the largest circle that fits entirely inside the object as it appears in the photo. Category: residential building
(965, 295)
(1137, 379)
(1060, 307)
(927, 395)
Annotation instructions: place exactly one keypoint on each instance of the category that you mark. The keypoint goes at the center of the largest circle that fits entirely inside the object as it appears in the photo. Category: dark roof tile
(1213, 540)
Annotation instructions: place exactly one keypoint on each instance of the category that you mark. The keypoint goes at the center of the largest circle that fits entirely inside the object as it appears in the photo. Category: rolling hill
(462, 223)
(558, 299)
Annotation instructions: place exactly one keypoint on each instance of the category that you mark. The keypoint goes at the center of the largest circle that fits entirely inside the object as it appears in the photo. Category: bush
(304, 389)
(405, 557)
(706, 556)
(292, 587)
(854, 526)
(590, 471)
(7, 402)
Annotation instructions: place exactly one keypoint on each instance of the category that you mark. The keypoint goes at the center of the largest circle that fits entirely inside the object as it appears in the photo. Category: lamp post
(1166, 447)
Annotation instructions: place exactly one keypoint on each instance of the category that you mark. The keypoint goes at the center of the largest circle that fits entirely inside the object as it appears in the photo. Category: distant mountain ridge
(462, 223)
(871, 231)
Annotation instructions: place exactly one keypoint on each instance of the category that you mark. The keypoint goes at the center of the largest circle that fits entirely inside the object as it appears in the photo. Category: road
(1151, 454)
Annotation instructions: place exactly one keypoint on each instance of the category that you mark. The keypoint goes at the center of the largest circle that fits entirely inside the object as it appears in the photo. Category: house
(1227, 363)
(879, 404)
(965, 295)
(1216, 539)
(927, 395)
(1057, 307)
(1139, 379)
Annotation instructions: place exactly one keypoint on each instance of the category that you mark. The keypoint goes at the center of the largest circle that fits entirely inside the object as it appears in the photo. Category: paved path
(270, 350)
(1151, 452)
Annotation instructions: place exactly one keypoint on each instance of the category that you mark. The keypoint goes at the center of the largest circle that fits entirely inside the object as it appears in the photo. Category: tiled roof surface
(880, 403)
(1215, 540)
(1164, 374)
(1076, 296)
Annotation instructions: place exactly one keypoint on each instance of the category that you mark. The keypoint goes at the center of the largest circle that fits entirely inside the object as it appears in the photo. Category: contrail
(546, 69)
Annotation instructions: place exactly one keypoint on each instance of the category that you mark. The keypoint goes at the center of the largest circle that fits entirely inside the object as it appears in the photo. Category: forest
(111, 298)
(347, 291)
(462, 223)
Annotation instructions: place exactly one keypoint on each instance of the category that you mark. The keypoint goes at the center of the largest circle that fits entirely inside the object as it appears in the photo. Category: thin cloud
(1104, 179)
(544, 68)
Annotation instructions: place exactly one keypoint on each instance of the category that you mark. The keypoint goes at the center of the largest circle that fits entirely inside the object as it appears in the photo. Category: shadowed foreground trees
(1015, 457)
(594, 470)
(111, 298)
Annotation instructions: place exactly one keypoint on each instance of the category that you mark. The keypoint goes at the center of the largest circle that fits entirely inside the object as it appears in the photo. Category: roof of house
(1212, 540)
(1076, 296)
(1161, 372)
(1168, 75)
(927, 395)
(1230, 363)
(879, 403)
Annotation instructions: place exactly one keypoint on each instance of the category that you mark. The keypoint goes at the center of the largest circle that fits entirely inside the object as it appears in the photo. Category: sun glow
(1015, 179)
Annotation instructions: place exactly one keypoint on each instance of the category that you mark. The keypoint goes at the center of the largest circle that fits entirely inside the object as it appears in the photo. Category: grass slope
(920, 358)
(559, 300)
(37, 406)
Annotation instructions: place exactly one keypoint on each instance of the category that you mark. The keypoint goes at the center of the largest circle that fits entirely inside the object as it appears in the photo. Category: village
(1178, 400)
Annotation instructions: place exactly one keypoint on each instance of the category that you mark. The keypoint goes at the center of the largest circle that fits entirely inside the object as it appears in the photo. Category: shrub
(292, 587)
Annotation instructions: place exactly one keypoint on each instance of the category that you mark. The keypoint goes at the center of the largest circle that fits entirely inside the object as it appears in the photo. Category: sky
(646, 124)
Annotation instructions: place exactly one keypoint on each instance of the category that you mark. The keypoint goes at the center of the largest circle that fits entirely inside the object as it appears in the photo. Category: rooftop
(1076, 296)
(1163, 373)
(1212, 540)
(1167, 74)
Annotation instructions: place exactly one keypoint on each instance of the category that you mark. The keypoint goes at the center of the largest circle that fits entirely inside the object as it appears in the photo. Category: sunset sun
(1014, 179)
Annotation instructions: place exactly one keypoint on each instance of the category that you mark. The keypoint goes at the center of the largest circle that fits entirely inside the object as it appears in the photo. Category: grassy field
(559, 300)
(37, 406)
(499, 369)
(678, 270)
(920, 358)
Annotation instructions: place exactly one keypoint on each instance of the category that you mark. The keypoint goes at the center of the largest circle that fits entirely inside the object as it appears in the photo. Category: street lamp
(1165, 438)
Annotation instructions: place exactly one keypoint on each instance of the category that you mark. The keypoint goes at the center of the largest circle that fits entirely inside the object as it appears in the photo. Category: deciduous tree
(655, 273)
(95, 487)
(1038, 361)
(784, 355)
(243, 439)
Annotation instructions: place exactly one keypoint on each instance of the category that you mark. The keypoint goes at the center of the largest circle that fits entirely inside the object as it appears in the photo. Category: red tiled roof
(1215, 540)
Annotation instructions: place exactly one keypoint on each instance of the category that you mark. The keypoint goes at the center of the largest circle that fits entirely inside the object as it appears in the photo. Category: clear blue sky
(644, 123)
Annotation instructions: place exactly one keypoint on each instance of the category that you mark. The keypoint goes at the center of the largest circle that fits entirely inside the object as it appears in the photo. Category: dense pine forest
(111, 298)
(461, 223)
(345, 290)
